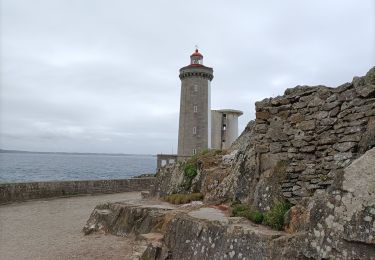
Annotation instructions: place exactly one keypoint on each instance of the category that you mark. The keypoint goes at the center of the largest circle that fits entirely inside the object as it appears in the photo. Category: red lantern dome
(196, 59)
(196, 53)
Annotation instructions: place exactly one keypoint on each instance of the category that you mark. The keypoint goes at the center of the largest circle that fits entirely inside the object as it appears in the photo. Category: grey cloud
(102, 76)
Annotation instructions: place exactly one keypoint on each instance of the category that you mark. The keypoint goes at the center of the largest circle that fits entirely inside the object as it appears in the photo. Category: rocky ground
(336, 224)
(52, 229)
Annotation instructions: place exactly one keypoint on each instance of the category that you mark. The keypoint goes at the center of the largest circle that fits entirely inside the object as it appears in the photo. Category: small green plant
(182, 198)
(190, 171)
(275, 217)
(243, 210)
(237, 208)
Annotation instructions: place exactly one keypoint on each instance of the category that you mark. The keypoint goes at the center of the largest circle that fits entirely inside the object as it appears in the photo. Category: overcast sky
(102, 76)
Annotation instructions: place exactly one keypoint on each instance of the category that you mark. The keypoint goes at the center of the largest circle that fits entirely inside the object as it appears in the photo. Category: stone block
(353, 129)
(334, 111)
(299, 105)
(321, 114)
(315, 102)
(296, 187)
(296, 118)
(330, 106)
(287, 185)
(331, 98)
(301, 193)
(365, 91)
(299, 143)
(283, 114)
(275, 147)
(344, 146)
(262, 148)
(312, 186)
(355, 116)
(307, 125)
(327, 121)
(287, 194)
(362, 121)
(344, 113)
(280, 101)
(308, 149)
(342, 156)
(349, 94)
(263, 115)
(261, 128)
(324, 140)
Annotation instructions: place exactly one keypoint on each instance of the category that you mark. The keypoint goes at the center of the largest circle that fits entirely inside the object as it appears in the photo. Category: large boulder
(340, 223)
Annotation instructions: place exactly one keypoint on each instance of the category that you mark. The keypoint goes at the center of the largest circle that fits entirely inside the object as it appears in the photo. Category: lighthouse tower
(194, 134)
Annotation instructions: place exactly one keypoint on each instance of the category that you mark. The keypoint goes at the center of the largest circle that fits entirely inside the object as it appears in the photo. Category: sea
(29, 167)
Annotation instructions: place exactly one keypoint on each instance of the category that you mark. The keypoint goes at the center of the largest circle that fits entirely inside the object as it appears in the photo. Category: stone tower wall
(195, 91)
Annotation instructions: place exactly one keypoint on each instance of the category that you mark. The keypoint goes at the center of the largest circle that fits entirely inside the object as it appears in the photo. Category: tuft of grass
(275, 217)
(204, 153)
(243, 210)
(182, 198)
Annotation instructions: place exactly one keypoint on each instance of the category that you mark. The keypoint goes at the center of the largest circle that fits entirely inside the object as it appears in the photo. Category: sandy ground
(51, 229)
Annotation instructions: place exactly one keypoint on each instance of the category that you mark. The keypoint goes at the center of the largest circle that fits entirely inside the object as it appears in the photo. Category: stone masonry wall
(315, 131)
(11, 192)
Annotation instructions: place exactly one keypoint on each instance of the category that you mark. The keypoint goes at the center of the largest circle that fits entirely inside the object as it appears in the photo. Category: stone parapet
(12, 192)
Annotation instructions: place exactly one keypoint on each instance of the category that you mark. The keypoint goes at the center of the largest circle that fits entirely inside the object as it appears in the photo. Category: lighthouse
(194, 133)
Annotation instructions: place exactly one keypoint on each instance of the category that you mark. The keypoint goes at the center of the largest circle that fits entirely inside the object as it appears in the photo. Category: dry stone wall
(315, 131)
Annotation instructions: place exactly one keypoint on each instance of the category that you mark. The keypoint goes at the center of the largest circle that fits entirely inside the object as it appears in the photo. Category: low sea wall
(11, 192)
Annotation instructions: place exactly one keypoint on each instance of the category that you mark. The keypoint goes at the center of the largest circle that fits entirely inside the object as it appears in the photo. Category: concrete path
(51, 229)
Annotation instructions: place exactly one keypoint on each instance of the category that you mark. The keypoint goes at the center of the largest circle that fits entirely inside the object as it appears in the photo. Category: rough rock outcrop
(236, 238)
(337, 224)
(123, 218)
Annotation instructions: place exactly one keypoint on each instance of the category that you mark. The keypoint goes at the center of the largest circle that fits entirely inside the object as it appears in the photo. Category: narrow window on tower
(195, 88)
(194, 130)
(194, 151)
(195, 109)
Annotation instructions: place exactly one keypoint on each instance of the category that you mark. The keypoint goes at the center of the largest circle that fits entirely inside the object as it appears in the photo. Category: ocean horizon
(30, 166)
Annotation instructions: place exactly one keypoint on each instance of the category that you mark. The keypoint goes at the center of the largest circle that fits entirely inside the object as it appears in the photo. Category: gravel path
(51, 229)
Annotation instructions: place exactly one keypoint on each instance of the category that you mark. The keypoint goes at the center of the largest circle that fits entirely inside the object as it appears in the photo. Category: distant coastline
(70, 153)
